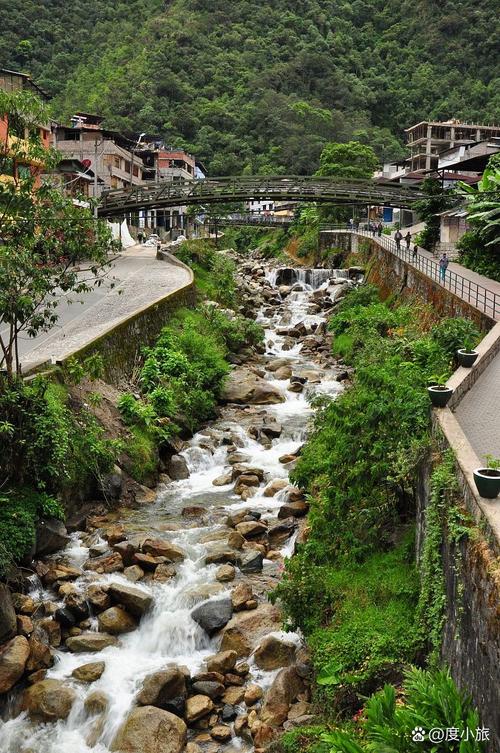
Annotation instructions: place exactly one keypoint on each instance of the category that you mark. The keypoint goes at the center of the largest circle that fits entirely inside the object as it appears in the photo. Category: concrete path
(478, 413)
(139, 280)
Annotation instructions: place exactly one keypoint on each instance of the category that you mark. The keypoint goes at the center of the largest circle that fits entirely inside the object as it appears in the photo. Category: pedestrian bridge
(116, 203)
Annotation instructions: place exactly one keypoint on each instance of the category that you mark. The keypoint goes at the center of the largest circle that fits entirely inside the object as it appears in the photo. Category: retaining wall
(120, 346)
(392, 275)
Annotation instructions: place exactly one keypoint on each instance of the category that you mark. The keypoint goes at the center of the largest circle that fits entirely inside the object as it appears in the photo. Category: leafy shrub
(452, 334)
(45, 442)
(431, 700)
(19, 511)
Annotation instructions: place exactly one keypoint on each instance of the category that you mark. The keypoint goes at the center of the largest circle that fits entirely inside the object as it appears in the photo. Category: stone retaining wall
(392, 275)
(121, 345)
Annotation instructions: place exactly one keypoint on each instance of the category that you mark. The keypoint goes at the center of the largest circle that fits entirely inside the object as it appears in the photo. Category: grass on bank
(353, 586)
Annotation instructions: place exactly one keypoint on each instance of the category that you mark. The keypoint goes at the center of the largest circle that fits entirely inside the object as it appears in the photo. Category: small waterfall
(310, 279)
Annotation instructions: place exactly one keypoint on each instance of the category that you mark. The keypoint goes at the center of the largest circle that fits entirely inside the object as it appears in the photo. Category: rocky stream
(151, 631)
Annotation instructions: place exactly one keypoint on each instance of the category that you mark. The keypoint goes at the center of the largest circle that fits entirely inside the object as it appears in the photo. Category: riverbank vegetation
(479, 248)
(55, 442)
(50, 448)
(353, 586)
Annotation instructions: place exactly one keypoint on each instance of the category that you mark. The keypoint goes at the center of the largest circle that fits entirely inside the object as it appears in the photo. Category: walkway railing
(477, 295)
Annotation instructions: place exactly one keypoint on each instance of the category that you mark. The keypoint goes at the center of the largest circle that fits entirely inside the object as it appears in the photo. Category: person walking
(380, 227)
(443, 266)
(408, 240)
(398, 238)
(415, 252)
(140, 237)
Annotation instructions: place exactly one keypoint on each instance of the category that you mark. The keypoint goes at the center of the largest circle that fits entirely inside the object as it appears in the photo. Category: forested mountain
(261, 86)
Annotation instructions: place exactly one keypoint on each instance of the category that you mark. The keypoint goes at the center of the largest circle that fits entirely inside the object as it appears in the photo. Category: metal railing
(243, 188)
(471, 292)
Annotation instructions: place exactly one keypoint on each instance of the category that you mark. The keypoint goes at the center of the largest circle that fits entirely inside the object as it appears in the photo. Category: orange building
(12, 134)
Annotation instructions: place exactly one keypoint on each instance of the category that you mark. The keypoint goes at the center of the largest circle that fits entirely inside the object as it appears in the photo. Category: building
(114, 158)
(75, 179)
(428, 139)
(13, 136)
(469, 158)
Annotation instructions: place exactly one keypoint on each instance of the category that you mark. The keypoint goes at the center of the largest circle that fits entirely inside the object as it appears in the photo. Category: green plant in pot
(487, 479)
(438, 392)
(467, 355)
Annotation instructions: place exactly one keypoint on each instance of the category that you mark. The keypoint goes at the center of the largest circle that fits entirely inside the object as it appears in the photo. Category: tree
(484, 204)
(48, 245)
(350, 160)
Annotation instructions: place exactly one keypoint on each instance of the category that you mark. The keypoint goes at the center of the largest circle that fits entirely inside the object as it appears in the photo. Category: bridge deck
(236, 190)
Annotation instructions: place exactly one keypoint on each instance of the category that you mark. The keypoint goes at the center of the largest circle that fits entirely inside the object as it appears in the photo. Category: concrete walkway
(478, 413)
(136, 279)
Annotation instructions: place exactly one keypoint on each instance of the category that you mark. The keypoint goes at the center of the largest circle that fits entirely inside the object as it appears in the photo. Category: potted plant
(487, 479)
(467, 356)
(438, 392)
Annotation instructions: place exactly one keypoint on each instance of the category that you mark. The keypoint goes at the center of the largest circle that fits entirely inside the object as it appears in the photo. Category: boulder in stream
(147, 728)
(177, 468)
(116, 621)
(89, 672)
(51, 536)
(244, 387)
(273, 653)
(90, 642)
(133, 599)
(13, 658)
(165, 689)
(213, 615)
(48, 701)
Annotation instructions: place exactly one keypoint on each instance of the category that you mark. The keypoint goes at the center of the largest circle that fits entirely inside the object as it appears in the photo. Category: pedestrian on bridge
(380, 227)
(408, 240)
(415, 252)
(443, 266)
(398, 238)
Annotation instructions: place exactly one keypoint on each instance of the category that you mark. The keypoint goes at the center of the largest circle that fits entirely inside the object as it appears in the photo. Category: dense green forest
(260, 86)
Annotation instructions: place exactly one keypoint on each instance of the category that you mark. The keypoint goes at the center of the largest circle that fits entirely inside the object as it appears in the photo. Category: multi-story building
(13, 136)
(426, 140)
(114, 158)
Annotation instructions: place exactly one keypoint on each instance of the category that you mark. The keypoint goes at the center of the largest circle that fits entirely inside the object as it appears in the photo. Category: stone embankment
(150, 628)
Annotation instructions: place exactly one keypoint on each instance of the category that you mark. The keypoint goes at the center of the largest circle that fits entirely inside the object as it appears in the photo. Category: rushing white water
(168, 634)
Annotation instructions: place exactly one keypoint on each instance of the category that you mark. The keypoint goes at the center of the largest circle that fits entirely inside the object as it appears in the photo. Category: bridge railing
(480, 297)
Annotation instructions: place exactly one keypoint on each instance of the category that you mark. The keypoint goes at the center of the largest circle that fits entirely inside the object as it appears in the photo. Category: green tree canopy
(351, 160)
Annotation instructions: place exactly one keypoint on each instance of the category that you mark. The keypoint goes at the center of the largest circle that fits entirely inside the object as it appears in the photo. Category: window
(117, 162)
(71, 134)
(136, 170)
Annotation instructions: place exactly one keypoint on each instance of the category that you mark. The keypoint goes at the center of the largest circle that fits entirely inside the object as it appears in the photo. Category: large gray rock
(251, 561)
(133, 599)
(51, 536)
(213, 615)
(177, 468)
(150, 730)
(7, 614)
